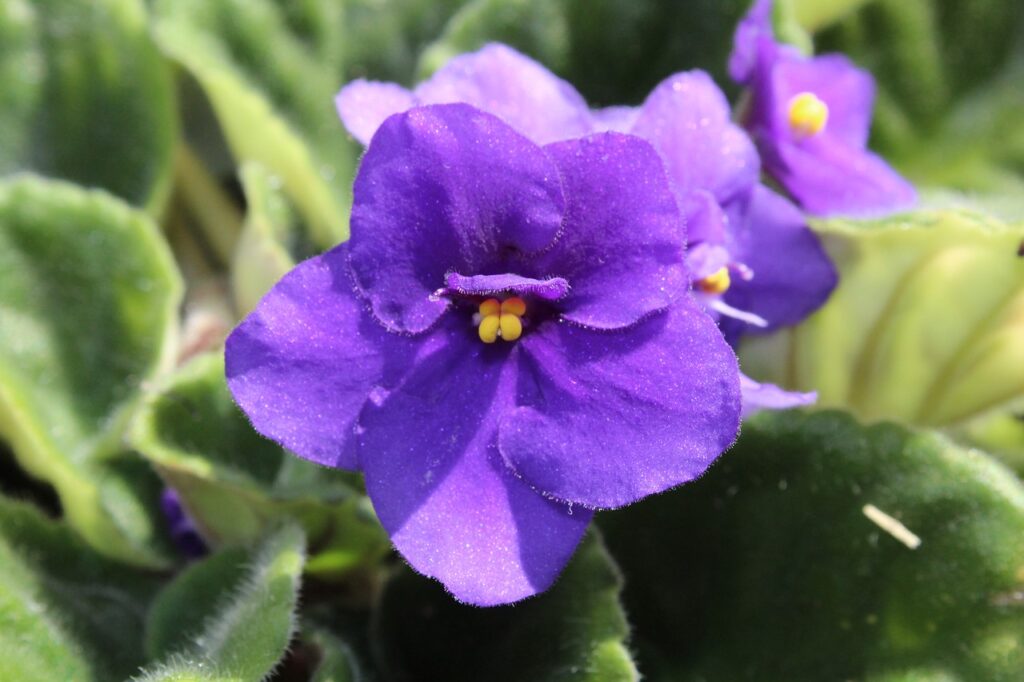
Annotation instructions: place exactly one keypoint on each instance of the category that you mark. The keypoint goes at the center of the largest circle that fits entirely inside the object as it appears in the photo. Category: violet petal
(793, 276)
(688, 120)
(513, 87)
(452, 507)
(607, 418)
(445, 188)
(363, 105)
(622, 246)
(303, 362)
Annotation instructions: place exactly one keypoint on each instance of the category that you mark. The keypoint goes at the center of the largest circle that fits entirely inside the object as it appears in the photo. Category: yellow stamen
(511, 327)
(807, 115)
(716, 283)
(488, 329)
(490, 307)
(514, 305)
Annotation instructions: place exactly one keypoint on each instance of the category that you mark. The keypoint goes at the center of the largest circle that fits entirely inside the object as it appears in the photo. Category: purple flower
(506, 343)
(810, 117)
(183, 531)
(752, 258)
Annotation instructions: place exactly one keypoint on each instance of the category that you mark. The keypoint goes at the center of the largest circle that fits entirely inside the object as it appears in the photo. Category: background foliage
(162, 163)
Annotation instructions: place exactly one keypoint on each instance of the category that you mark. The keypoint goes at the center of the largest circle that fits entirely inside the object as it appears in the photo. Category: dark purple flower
(485, 456)
(810, 117)
(182, 530)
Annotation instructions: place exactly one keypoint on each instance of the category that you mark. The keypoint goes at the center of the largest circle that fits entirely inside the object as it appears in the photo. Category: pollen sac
(716, 283)
(501, 319)
(807, 115)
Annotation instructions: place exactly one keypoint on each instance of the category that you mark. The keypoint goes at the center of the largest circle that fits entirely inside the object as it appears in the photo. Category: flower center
(716, 283)
(807, 115)
(501, 319)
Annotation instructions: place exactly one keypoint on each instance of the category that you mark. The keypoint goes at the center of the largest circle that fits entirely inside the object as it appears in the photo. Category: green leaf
(88, 313)
(337, 662)
(926, 326)
(272, 239)
(769, 568)
(613, 51)
(230, 616)
(235, 483)
(273, 98)
(574, 631)
(86, 96)
(66, 612)
(385, 45)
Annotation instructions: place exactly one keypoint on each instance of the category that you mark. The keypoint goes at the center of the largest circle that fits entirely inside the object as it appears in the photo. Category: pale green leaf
(88, 310)
(926, 326)
(86, 96)
(231, 615)
(66, 612)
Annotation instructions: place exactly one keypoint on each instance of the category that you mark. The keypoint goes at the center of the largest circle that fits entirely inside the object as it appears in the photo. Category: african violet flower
(810, 117)
(506, 343)
(748, 246)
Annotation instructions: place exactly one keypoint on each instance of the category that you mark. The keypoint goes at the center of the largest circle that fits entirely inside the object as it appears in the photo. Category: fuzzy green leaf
(66, 612)
(86, 96)
(88, 310)
(926, 326)
(770, 567)
(235, 483)
(273, 98)
(231, 616)
(574, 631)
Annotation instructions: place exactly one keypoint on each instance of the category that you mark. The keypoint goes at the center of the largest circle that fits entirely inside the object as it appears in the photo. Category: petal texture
(829, 177)
(606, 418)
(622, 247)
(452, 507)
(513, 87)
(758, 396)
(363, 105)
(303, 362)
(445, 188)
(793, 276)
(688, 120)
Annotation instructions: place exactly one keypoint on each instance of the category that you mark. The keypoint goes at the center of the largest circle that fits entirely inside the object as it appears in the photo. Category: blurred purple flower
(810, 118)
(183, 531)
(506, 343)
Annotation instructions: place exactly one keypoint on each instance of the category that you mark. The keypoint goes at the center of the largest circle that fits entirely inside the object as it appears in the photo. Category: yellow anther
(511, 327)
(514, 305)
(807, 115)
(488, 329)
(716, 283)
(490, 307)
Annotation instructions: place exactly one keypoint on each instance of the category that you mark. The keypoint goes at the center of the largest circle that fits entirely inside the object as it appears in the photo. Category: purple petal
(687, 119)
(793, 275)
(753, 33)
(757, 397)
(607, 418)
(828, 177)
(618, 119)
(706, 259)
(440, 488)
(513, 87)
(363, 105)
(303, 362)
(848, 91)
(445, 188)
(705, 219)
(550, 289)
(622, 246)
